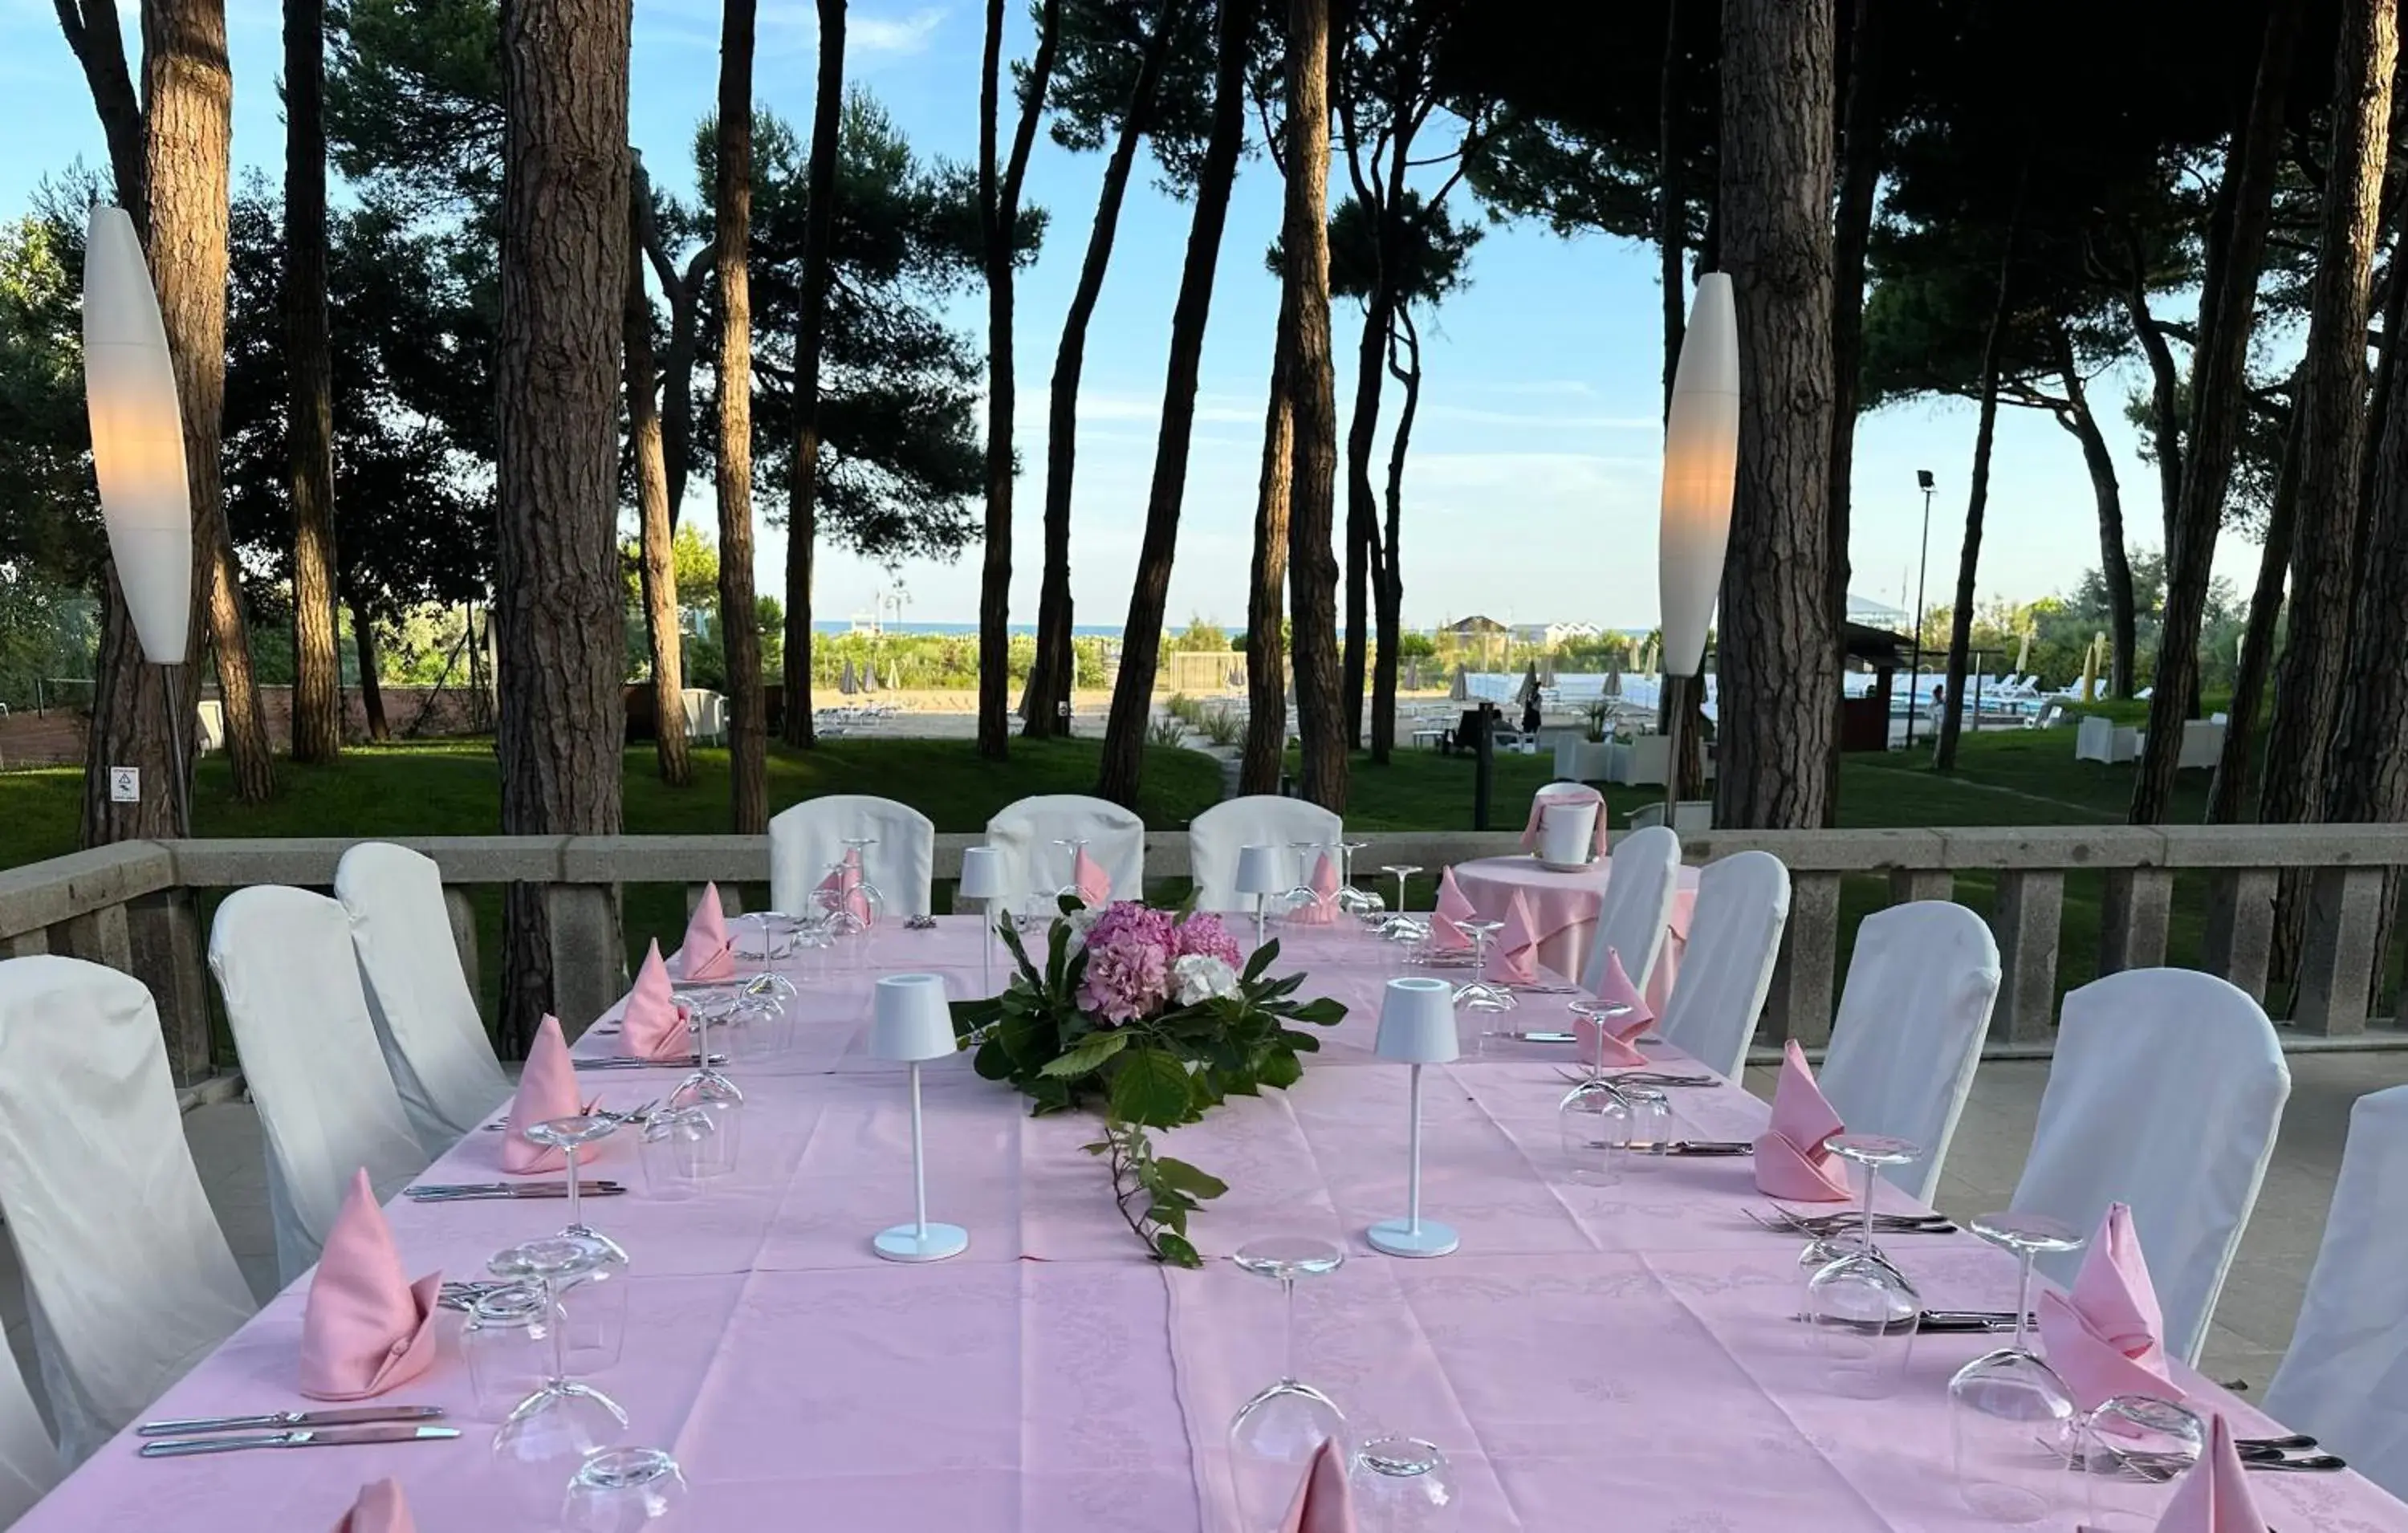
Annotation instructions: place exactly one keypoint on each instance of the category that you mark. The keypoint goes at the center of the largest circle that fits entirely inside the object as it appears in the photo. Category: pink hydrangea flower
(1203, 933)
(1129, 953)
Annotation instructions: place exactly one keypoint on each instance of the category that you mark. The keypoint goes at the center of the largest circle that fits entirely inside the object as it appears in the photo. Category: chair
(1024, 831)
(129, 1277)
(1640, 890)
(808, 840)
(2345, 1376)
(327, 1107)
(1909, 1033)
(1734, 940)
(2164, 1094)
(1215, 836)
(433, 1039)
(29, 1465)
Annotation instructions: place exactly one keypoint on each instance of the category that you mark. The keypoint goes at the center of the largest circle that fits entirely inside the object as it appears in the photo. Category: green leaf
(1169, 1215)
(1264, 957)
(1189, 1179)
(1090, 1054)
(1296, 1042)
(1325, 1011)
(1280, 1070)
(991, 1062)
(1174, 1251)
(1021, 1033)
(1150, 1087)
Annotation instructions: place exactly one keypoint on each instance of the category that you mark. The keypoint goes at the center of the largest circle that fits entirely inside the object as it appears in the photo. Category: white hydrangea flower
(1199, 977)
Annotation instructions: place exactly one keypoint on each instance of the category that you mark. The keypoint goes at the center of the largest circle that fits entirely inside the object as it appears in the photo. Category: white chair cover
(2345, 1377)
(1024, 831)
(1640, 889)
(426, 1020)
(1257, 819)
(128, 1277)
(808, 840)
(283, 962)
(1734, 940)
(1909, 1029)
(29, 1465)
(2164, 1094)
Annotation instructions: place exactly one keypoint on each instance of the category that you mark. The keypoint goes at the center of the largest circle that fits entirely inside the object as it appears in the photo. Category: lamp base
(1397, 1238)
(907, 1244)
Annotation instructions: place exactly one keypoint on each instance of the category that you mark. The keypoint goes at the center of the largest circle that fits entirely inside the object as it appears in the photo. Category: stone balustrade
(136, 906)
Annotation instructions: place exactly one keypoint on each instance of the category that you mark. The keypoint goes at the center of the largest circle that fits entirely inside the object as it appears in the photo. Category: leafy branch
(1155, 1194)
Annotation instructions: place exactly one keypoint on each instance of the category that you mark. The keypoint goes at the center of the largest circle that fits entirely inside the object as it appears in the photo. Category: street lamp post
(1922, 562)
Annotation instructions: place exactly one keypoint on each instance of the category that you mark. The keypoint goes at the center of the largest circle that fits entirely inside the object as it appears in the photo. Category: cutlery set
(1929, 1322)
(639, 1116)
(1823, 1226)
(294, 1429)
(1680, 1147)
(616, 1062)
(471, 1191)
(2275, 1454)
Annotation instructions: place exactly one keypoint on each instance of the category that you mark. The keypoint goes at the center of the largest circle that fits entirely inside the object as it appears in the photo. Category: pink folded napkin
(365, 1327)
(1452, 906)
(707, 955)
(547, 1090)
(1617, 1045)
(845, 880)
(1094, 884)
(1564, 792)
(1790, 1160)
(1323, 1502)
(1514, 956)
(380, 1509)
(2105, 1334)
(652, 1023)
(1323, 911)
(2213, 1496)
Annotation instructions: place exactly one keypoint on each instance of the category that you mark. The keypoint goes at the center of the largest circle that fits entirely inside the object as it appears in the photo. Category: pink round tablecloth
(1564, 906)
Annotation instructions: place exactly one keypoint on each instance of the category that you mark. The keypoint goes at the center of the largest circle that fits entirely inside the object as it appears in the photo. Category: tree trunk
(2370, 773)
(1053, 677)
(654, 538)
(371, 684)
(1672, 200)
(2232, 795)
(2331, 408)
(1969, 562)
(187, 130)
(317, 669)
(1779, 653)
(740, 616)
(803, 511)
(2114, 564)
(1391, 593)
(99, 46)
(1312, 560)
(1862, 135)
(684, 294)
(1365, 570)
(2219, 388)
(556, 381)
(999, 212)
(1266, 753)
(1141, 639)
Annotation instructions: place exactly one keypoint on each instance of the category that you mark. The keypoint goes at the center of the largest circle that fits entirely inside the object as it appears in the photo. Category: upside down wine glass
(550, 1432)
(2008, 1413)
(1274, 1434)
(1862, 1312)
(1363, 904)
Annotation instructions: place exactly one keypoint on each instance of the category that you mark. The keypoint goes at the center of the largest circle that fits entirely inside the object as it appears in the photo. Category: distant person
(1529, 713)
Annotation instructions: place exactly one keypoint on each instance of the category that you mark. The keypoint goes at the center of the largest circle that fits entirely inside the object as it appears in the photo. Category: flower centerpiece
(1156, 1016)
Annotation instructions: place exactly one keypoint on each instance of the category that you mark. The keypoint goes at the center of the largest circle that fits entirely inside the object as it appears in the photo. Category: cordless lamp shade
(1700, 467)
(1263, 871)
(1417, 1022)
(982, 873)
(137, 437)
(910, 1019)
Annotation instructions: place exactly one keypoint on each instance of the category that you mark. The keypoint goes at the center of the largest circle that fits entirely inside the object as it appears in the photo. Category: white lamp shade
(1700, 467)
(137, 437)
(982, 873)
(1417, 1022)
(910, 1019)
(1263, 871)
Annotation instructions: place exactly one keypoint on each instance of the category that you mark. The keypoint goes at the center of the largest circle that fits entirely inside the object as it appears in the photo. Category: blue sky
(1530, 489)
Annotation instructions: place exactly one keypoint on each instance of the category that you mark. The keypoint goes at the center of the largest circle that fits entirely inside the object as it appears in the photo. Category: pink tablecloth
(1565, 907)
(1626, 1348)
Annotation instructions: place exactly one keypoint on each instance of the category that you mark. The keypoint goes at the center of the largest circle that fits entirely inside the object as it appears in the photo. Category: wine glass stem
(575, 1222)
(558, 1319)
(2023, 1299)
(1871, 1173)
(1287, 1328)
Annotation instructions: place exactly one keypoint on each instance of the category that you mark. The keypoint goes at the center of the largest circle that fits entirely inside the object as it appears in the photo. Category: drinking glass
(547, 1435)
(1600, 1122)
(508, 1340)
(2126, 1451)
(756, 1026)
(1360, 903)
(620, 1490)
(570, 1135)
(682, 1148)
(1073, 845)
(1862, 1312)
(1478, 993)
(1398, 926)
(1599, 1013)
(1274, 1434)
(2008, 1413)
(1400, 1484)
(771, 934)
(716, 1097)
(873, 899)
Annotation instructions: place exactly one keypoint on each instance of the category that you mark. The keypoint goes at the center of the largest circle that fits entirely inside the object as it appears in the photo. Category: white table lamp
(1701, 472)
(982, 881)
(1417, 1028)
(910, 1021)
(1262, 871)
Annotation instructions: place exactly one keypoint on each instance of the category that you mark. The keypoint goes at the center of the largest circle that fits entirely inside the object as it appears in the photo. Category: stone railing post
(2239, 945)
(462, 910)
(1909, 885)
(1799, 1004)
(167, 951)
(2028, 924)
(2337, 961)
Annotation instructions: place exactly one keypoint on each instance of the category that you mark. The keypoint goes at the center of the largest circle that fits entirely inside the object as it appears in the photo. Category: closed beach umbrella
(1461, 691)
(1613, 683)
(2090, 670)
(894, 676)
(2023, 654)
(849, 682)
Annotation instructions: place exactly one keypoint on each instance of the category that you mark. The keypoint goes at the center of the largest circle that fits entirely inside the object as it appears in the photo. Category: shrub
(1220, 726)
(1166, 732)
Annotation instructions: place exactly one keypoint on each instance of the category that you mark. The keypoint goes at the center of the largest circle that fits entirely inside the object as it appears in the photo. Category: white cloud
(893, 34)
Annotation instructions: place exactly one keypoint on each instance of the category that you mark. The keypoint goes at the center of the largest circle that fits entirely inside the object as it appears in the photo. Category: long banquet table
(1592, 1356)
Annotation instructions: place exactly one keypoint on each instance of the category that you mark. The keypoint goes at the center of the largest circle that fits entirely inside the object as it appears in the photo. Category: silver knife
(620, 1062)
(524, 1189)
(541, 1191)
(351, 1416)
(1691, 1146)
(322, 1437)
(1538, 1037)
